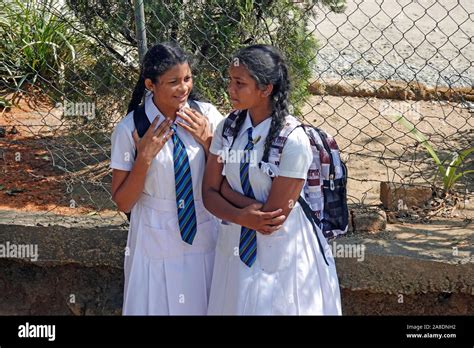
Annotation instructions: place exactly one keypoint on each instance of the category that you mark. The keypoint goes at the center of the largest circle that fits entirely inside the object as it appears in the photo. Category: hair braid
(280, 109)
(267, 67)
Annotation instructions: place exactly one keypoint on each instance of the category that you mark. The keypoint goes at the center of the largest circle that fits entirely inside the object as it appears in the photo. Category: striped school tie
(248, 237)
(184, 190)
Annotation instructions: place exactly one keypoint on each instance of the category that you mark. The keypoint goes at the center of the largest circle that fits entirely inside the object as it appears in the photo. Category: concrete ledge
(63, 240)
(406, 277)
(392, 268)
(389, 90)
(80, 270)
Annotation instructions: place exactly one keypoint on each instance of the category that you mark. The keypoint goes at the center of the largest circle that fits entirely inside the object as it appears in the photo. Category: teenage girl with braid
(171, 241)
(267, 256)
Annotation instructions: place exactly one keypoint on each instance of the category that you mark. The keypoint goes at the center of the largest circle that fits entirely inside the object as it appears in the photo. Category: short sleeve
(214, 117)
(123, 148)
(217, 140)
(297, 155)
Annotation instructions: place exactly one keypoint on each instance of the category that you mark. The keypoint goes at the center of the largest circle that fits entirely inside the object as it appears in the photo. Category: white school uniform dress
(163, 274)
(289, 275)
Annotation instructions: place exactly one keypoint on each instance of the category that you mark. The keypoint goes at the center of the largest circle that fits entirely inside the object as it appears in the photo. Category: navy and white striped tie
(184, 190)
(248, 237)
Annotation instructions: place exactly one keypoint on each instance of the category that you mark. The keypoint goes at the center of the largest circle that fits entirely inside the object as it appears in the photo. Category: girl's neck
(167, 112)
(260, 113)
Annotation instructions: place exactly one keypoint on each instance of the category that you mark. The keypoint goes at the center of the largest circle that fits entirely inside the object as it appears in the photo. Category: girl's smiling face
(172, 88)
(243, 90)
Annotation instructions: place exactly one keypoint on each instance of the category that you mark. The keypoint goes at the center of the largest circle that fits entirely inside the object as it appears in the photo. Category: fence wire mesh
(365, 71)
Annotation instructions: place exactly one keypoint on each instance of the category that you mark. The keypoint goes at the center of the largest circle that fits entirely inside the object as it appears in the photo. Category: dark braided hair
(267, 66)
(158, 59)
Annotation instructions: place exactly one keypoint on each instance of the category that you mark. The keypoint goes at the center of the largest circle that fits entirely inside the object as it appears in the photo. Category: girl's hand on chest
(153, 140)
(196, 124)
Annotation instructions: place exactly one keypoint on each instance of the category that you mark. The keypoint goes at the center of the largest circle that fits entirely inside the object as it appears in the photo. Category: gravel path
(427, 41)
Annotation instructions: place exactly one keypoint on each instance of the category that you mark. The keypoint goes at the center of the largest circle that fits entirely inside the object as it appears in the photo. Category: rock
(401, 197)
(391, 217)
(369, 221)
(76, 308)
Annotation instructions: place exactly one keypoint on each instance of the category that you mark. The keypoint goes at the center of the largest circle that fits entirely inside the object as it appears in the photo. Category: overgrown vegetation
(86, 50)
(212, 31)
(35, 46)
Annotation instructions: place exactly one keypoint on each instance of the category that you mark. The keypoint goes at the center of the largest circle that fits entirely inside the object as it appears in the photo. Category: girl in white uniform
(280, 269)
(171, 241)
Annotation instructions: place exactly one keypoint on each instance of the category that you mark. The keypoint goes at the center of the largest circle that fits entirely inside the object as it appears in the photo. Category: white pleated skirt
(289, 276)
(163, 274)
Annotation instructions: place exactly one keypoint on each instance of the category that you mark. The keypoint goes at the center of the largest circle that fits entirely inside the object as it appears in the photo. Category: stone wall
(79, 271)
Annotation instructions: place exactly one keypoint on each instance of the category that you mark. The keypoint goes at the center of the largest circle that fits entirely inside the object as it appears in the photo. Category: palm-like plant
(449, 174)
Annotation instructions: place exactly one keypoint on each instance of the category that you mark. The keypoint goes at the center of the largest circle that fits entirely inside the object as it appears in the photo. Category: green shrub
(87, 51)
(212, 31)
(36, 46)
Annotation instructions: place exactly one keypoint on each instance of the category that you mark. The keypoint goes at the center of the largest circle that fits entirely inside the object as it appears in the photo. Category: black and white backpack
(325, 190)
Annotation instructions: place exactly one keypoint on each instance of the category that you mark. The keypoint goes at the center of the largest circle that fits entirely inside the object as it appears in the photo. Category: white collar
(259, 129)
(152, 111)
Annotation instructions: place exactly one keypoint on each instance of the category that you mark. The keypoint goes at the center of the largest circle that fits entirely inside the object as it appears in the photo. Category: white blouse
(163, 274)
(289, 275)
(294, 162)
(160, 179)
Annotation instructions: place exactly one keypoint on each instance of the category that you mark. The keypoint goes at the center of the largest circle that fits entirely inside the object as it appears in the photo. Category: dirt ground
(377, 148)
(42, 169)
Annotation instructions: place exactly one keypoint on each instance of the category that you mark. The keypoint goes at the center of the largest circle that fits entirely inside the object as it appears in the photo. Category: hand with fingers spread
(197, 125)
(153, 140)
(264, 222)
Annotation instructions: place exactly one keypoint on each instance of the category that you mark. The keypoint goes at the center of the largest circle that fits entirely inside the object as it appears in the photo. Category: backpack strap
(314, 221)
(269, 165)
(195, 106)
(274, 161)
(141, 120)
(229, 131)
(142, 123)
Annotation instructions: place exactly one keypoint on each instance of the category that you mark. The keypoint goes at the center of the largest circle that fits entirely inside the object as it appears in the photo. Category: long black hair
(157, 60)
(267, 66)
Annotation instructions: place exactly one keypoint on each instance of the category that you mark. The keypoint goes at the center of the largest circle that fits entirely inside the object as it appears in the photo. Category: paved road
(422, 40)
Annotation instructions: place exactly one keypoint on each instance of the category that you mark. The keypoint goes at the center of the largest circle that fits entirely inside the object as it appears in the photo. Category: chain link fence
(390, 79)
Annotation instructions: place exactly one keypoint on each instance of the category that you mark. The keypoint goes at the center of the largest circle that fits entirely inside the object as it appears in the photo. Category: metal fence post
(140, 28)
